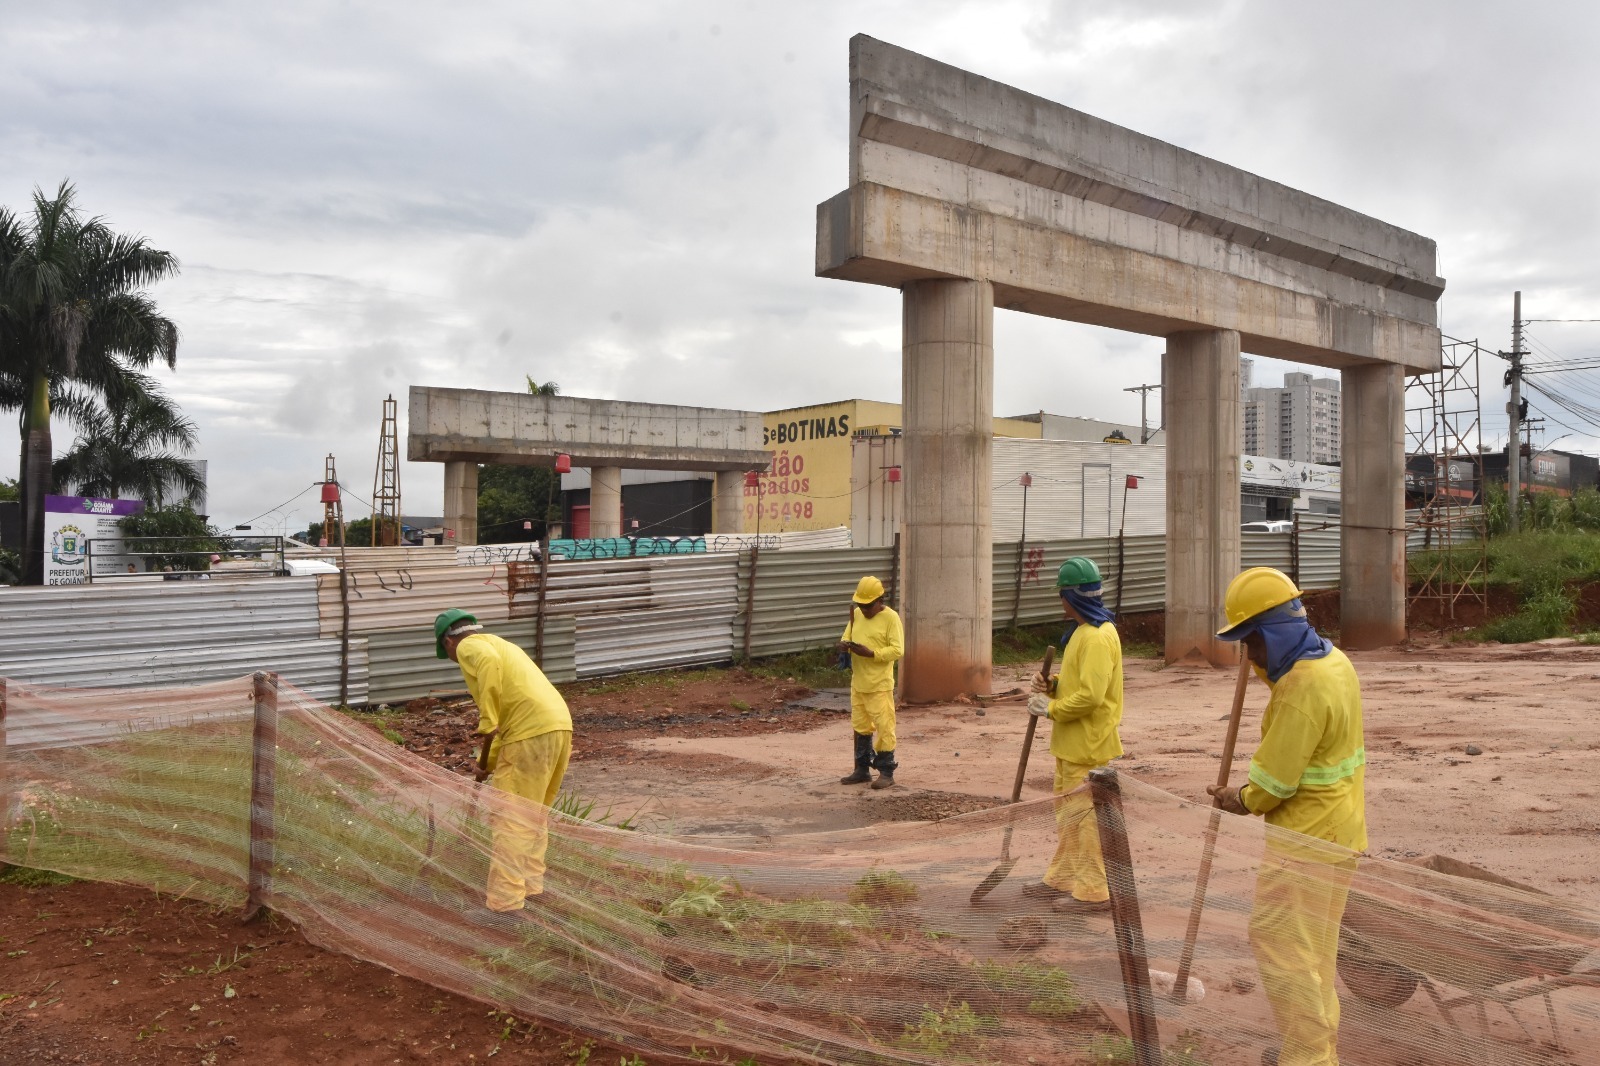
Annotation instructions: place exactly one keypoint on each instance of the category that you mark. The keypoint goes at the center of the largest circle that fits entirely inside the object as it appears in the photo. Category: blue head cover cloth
(1289, 638)
(1085, 599)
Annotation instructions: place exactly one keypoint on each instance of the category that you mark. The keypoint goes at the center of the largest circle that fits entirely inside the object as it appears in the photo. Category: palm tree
(549, 388)
(72, 309)
(132, 445)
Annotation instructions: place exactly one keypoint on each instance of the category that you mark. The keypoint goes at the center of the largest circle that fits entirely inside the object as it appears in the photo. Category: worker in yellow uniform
(1307, 777)
(874, 639)
(528, 728)
(1084, 704)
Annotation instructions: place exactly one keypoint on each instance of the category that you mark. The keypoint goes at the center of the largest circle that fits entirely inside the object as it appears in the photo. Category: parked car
(1275, 526)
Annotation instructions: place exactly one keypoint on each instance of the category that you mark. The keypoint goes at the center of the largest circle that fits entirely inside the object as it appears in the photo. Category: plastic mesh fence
(859, 947)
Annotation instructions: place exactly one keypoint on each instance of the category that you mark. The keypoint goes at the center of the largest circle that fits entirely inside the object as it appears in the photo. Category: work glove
(1039, 705)
(1039, 684)
(1227, 799)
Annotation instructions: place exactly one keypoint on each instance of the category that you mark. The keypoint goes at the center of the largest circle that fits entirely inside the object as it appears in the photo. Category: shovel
(1181, 985)
(1001, 872)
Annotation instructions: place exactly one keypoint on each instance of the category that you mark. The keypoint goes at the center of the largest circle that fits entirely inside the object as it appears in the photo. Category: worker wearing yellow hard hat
(1084, 705)
(1306, 778)
(873, 639)
(528, 733)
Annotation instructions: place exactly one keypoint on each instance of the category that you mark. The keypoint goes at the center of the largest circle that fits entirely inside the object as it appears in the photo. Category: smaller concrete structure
(464, 427)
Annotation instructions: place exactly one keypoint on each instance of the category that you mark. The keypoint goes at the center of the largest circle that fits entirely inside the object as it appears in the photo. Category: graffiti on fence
(490, 554)
(1031, 564)
(626, 547)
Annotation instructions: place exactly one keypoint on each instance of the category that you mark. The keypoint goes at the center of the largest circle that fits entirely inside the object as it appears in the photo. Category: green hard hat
(445, 620)
(1077, 570)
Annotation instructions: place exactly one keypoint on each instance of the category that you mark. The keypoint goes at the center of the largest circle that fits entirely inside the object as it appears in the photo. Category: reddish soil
(107, 974)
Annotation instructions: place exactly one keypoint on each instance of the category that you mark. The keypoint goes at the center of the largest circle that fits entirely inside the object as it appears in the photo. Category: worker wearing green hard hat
(527, 737)
(1308, 775)
(1084, 705)
(874, 639)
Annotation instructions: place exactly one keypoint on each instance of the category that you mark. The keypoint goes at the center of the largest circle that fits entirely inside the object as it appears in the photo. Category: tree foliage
(131, 444)
(511, 495)
(176, 537)
(72, 310)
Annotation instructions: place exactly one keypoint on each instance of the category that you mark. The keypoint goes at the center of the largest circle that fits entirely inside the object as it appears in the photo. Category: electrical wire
(282, 505)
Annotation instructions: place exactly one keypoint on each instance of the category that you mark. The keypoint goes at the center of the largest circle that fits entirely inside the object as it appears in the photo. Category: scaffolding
(386, 481)
(1444, 480)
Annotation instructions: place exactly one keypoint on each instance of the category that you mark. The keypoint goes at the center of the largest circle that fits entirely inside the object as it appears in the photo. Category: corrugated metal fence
(600, 617)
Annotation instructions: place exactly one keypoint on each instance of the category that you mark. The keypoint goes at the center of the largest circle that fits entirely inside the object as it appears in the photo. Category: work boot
(1073, 905)
(884, 763)
(863, 771)
(1040, 890)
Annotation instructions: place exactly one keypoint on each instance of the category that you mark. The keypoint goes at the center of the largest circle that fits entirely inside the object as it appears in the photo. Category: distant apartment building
(1298, 422)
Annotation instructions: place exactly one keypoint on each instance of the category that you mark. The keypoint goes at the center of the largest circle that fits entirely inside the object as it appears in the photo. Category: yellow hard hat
(869, 589)
(1258, 589)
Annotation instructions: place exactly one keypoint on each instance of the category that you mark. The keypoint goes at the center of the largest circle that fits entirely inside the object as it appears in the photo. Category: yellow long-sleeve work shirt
(1309, 773)
(512, 693)
(1087, 707)
(886, 637)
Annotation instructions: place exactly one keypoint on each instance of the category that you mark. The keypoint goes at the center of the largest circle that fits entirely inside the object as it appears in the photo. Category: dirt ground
(105, 974)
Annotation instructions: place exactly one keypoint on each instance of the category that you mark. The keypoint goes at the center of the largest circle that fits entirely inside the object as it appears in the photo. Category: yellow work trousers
(1294, 932)
(531, 769)
(1078, 866)
(873, 712)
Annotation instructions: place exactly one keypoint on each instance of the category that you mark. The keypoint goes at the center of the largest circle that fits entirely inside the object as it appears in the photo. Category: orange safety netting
(855, 947)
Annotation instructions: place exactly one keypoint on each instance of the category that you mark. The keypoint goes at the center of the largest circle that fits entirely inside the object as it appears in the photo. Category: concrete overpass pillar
(727, 510)
(605, 501)
(1200, 378)
(947, 384)
(461, 501)
(1372, 556)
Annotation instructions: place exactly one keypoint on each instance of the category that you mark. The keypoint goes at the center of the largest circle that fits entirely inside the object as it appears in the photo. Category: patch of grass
(1050, 991)
(28, 877)
(937, 1032)
(575, 805)
(1182, 1052)
(883, 887)
(816, 668)
(1025, 644)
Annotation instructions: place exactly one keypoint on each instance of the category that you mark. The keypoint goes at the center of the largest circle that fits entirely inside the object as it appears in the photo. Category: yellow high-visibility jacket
(1308, 774)
(887, 639)
(511, 692)
(1087, 706)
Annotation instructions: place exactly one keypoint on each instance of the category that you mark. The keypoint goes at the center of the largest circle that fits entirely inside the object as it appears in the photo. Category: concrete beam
(1200, 379)
(605, 502)
(885, 236)
(517, 429)
(947, 382)
(1372, 555)
(461, 502)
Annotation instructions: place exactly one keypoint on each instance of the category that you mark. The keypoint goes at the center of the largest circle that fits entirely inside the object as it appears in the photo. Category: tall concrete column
(947, 385)
(605, 501)
(1200, 394)
(461, 501)
(1372, 555)
(727, 510)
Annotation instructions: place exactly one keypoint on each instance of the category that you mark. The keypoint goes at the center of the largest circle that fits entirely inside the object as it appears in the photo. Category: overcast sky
(621, 197)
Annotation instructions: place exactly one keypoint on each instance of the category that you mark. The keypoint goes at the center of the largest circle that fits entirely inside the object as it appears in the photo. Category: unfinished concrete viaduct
(464, 427)
(967, 194)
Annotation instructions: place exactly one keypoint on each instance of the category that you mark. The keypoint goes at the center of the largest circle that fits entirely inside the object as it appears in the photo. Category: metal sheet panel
(1319, 558)
(1266, 549)
(802, 598)
(402, 597)
(312, 665)
(402, 664)
(114, 618)
(687, 619)
(1144, 560)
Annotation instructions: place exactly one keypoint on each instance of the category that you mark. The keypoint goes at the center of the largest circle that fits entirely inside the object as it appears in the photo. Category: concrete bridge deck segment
(464, 427)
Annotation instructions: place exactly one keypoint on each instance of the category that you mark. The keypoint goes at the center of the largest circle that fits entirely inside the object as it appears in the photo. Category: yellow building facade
(807, 485)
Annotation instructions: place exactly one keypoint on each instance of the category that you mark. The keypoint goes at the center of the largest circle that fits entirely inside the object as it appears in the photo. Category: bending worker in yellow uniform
(1084, 703)
(1307, 776)
(874, 639)
(528, 729)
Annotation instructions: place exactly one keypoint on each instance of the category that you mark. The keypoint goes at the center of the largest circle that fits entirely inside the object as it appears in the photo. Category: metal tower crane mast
(386, 481)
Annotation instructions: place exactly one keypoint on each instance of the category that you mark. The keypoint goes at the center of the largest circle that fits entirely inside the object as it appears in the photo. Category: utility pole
(386, 482)
(1514, 416)
(1144, 420)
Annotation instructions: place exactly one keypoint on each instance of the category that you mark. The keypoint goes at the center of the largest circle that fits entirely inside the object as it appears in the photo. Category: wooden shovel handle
(1232, 739)
(1033, 725)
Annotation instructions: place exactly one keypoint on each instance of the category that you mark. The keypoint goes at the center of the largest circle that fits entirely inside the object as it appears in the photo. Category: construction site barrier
(850, 947)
